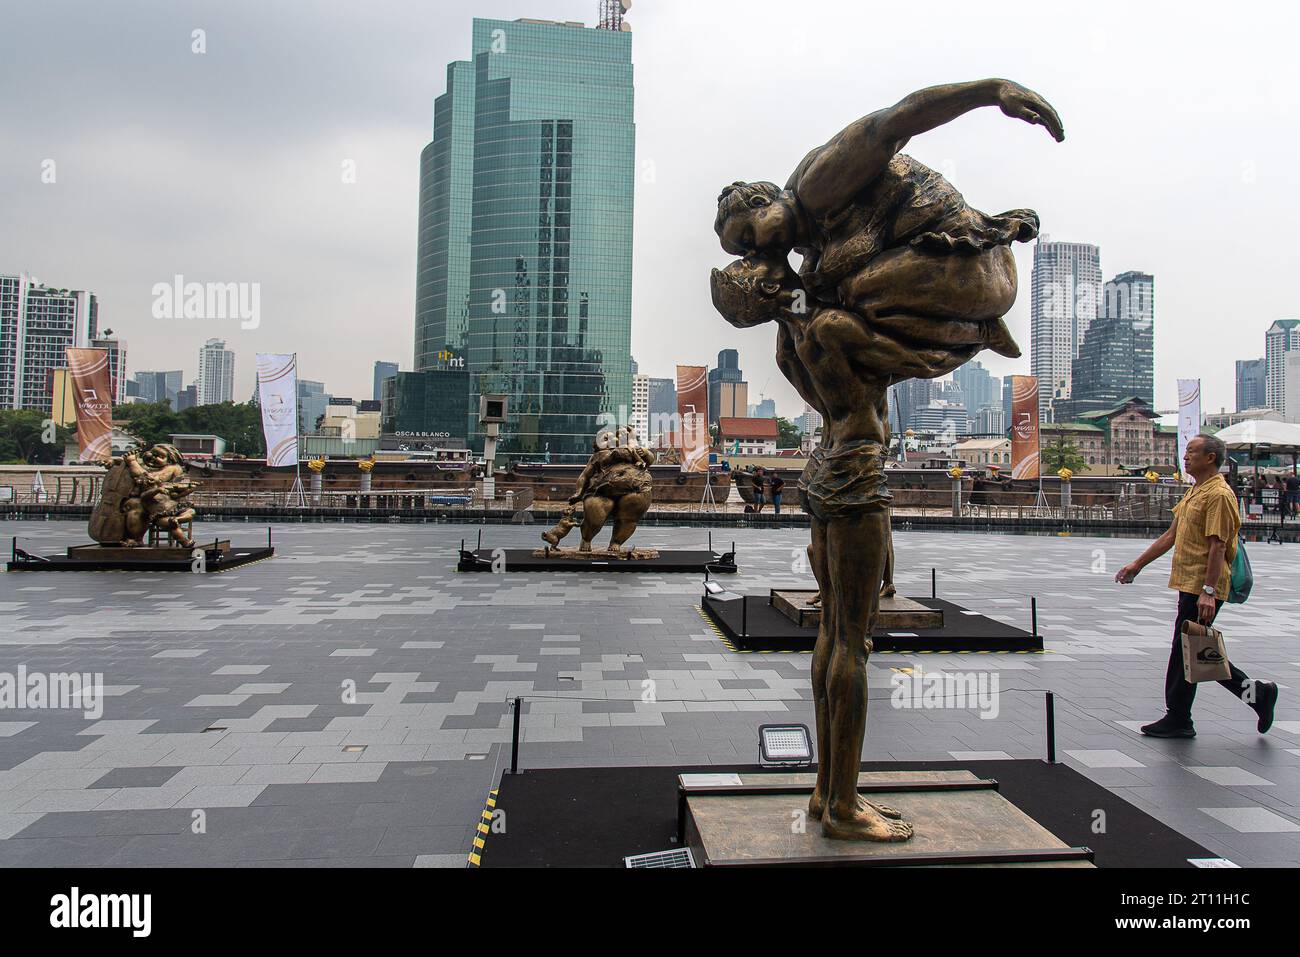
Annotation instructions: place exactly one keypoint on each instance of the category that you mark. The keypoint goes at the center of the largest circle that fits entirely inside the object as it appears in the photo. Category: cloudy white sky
(1180, 157)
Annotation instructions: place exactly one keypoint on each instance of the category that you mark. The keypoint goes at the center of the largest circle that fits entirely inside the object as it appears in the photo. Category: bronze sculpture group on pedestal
(900, 279)
(616, 483)
(143, 491)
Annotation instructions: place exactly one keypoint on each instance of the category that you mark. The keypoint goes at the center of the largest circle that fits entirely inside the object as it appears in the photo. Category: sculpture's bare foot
(815, 599)
(884, 810)
(889, 591)
(864, 823)
(585, 547)
(817, 805)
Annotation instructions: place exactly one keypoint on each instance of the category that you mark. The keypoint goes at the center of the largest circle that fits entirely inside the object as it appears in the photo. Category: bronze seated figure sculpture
(616, 483)
(900, 278)
(144, 490)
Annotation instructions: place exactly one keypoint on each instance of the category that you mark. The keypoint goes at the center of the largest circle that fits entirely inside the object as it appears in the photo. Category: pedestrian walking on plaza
(774, 486)
(1203, 536)
(1292, 494)
(759, 484)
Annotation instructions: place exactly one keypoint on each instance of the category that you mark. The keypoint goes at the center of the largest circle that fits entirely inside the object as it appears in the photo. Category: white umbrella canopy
(1281, 436)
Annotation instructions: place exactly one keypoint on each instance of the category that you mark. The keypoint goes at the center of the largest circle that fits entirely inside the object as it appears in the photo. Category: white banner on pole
(277, 391)
(1189, 417)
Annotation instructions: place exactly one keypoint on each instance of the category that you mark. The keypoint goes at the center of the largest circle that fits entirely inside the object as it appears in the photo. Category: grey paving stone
(435, 656)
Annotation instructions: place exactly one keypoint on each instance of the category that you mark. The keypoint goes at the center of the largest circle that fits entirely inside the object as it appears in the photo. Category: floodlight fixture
(785, 746)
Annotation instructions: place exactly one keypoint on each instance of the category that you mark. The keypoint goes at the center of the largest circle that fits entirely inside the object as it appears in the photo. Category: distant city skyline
(321, 213)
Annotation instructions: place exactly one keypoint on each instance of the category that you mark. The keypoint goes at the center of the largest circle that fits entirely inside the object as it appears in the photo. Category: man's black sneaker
(1265, 704)
(1168, 728)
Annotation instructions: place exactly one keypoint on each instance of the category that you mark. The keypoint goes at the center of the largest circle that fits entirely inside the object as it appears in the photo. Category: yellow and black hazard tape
(731, 646)
(482, 830)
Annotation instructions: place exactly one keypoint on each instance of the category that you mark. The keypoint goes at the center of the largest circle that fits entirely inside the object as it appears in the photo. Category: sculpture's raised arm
(830, 177)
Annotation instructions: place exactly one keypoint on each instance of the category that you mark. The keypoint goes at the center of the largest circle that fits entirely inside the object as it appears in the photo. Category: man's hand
(1205, 609)
(1126, 574)
(1022, 104)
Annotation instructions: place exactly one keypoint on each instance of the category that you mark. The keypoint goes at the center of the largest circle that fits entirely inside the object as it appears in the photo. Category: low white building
(984, 452)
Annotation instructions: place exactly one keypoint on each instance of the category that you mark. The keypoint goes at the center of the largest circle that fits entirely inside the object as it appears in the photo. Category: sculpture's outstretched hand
(1022, 104)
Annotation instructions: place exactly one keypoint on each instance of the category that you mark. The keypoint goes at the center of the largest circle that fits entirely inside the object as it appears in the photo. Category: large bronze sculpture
(144, 490)
(900, 279)
(616, 483)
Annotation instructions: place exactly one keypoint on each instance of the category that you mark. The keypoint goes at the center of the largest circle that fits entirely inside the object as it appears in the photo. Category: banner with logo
(1024, 427)
(277, 391)
(92, 390)
(1189, 417)
(693, 411)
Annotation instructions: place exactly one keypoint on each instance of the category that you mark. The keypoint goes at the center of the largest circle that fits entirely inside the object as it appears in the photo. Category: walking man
(1204, 539)
(775, 486)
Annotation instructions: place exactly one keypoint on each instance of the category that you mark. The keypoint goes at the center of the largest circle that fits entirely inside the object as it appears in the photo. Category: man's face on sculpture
(754, 218)
(750, 292)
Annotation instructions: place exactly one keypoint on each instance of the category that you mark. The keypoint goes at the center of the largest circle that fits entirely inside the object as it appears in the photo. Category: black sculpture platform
(218, 556)
(595, 817)
(754, 623)
(507, 560)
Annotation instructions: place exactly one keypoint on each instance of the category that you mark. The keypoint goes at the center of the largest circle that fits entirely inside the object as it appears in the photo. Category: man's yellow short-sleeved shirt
(1208, 508)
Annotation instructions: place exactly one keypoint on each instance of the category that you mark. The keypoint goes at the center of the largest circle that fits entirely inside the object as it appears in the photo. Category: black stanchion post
(514, 739)
(1051, 728)
(744, 617)
(934, 583)
(1033, 615)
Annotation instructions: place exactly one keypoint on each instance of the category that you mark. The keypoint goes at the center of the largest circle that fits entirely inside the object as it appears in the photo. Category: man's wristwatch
(1210, 590)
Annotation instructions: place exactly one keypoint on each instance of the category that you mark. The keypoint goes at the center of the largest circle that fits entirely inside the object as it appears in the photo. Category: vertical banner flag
(1189, 417)
(1024, 427)
(693, 411)
(277, 391)
(92, 390)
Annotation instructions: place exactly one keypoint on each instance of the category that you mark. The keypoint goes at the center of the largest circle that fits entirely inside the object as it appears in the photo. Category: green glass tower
(524, 265)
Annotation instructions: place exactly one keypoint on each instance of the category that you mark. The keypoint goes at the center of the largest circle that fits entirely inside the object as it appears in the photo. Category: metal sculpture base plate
(141, 553)
(960, 820)
(597, 554)
(896, 613)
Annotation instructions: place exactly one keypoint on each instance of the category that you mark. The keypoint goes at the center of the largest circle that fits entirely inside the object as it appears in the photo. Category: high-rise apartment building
(158, 386)
(383, 370)
(216, 381)
(1116, 361)
(979, 389)
(663, 407)
(524, 261)
(640, 417)
(116, 350)
(1252, 384)
(1281, 338)
(1066, 294)
(728, 391)
(38, 324)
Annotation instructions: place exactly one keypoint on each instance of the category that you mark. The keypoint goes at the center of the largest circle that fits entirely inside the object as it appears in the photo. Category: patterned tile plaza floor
(345, 702)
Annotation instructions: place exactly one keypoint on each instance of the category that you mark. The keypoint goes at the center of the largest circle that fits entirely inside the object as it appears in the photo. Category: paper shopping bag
(1204, 656)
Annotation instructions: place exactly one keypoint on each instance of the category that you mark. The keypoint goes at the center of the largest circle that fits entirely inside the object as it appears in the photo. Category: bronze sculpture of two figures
(616, 483)
(900, 279)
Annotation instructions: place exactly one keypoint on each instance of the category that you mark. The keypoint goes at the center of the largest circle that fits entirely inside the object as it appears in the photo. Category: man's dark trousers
(1179, 692)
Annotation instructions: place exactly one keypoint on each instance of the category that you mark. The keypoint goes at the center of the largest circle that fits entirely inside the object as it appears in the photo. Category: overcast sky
(1180, 157)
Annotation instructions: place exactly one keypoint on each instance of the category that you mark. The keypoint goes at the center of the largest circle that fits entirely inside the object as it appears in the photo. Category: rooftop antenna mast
(612, 13)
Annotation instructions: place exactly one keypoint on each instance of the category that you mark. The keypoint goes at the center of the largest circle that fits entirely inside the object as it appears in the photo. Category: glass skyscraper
(524, 265)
